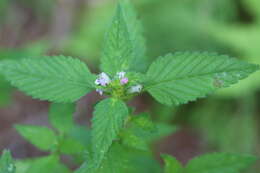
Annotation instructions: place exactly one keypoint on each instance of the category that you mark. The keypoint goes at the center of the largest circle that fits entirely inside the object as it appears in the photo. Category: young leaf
(140, 130)
(219, 162)
(6, 163)
(135, 31)
(42, 137)
(171, 164)
(61, 116)
(57, 79)
(118, 50)
(131, 139)
(109, 117)
(183, 77)
(144, 122)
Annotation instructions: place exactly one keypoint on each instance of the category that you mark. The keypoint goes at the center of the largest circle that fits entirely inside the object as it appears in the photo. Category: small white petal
(97, 82)
(121, 74)
(105, 77)
(99, 91)
(135, 89)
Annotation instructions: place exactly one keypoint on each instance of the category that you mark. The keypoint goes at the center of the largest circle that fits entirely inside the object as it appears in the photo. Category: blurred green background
(226, 121)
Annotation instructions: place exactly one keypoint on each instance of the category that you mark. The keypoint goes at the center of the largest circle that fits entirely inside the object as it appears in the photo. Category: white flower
(121, 74)
(103, 79)
(135, 89)
(99, 91)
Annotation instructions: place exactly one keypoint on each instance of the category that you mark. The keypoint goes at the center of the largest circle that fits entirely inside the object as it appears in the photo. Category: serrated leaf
(182, 77)
(171, 164)
(135, 30)
(58, 79)
(219, 162)
(118, 50)
(109, 117)
(6, 163)
(42, 137)
(61, 116)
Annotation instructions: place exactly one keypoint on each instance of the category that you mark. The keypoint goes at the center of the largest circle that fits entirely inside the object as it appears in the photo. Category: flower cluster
(103, 81)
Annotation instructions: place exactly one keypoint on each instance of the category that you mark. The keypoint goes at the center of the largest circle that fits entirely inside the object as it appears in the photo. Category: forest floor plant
(118, 141)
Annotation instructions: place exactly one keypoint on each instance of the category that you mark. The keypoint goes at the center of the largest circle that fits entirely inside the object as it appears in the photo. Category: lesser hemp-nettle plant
(119, 140)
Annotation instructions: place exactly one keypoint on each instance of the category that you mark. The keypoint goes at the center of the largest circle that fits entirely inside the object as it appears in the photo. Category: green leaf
(109, 117)
(6, 163)
(118, 50)
(50, 164)
(61, 116)
(57, 79)
(139, 131)
(42, 137)
(22, 166)
(135, 30)
(163, 130)
(116, 161)
(171, 164)
(69, 145)
(82, 134)
(254, 6)
(182, 77)
(131, 138)
(5, 95)
(144, 122)
(220, 162)
(121, 159)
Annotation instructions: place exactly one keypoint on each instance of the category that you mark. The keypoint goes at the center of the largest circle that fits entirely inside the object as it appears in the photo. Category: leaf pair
(210, 163)
(172, 80)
